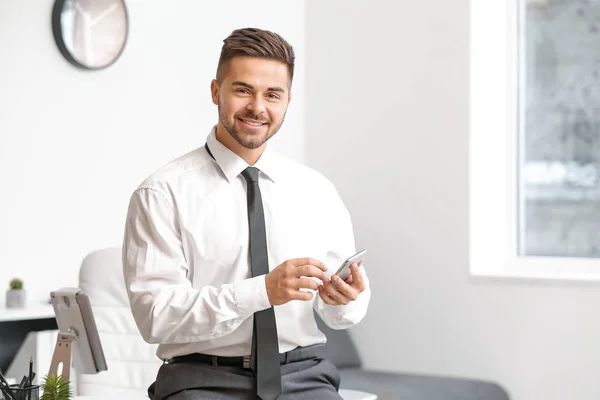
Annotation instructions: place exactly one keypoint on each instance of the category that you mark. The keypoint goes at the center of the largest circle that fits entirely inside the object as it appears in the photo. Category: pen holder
(27, 393)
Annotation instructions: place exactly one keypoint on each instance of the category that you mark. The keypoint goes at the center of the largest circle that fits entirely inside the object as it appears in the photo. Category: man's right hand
(286, 280)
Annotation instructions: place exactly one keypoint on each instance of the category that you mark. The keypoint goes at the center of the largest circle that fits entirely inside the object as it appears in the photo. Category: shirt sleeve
(165, 306)
(341, 236)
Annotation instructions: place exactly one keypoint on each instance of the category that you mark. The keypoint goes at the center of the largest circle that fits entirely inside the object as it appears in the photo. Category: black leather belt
(298, 354)
(243, 362)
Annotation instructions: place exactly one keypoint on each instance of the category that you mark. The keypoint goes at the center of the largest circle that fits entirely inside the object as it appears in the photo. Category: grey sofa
(394, 386)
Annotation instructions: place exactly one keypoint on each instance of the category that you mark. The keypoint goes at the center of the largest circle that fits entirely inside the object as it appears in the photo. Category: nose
(256, 105)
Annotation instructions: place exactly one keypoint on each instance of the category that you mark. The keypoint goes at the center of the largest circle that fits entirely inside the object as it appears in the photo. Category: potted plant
(55, 387)
(15, 295)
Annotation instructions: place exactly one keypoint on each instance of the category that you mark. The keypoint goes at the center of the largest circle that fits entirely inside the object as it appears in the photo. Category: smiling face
(252, 97)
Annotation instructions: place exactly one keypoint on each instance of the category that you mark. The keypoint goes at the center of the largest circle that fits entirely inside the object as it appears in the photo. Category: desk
(34, 310)
(112, 396)
(16, 323)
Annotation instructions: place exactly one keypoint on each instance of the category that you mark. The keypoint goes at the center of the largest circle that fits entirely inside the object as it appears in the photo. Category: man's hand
(343, 292)
(285, 281)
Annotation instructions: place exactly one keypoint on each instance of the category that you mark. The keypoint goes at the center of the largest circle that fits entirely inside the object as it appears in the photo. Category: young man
(229, 248)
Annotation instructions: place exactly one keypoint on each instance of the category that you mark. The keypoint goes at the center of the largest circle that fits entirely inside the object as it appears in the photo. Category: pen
(7, 390)
(30, 378)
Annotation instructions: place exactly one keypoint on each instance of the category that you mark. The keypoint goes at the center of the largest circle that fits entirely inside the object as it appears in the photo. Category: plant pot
(15, 298)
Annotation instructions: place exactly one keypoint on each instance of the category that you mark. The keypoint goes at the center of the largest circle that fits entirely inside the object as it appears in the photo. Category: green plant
(16, 284)
(55, 387)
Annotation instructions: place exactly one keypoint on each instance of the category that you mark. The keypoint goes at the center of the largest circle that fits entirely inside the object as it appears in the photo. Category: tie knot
(250, 174)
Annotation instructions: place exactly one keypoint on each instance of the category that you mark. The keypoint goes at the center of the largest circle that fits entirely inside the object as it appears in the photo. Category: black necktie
(265, 346)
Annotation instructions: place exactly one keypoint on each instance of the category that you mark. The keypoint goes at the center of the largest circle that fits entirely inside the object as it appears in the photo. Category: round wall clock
(90, 34)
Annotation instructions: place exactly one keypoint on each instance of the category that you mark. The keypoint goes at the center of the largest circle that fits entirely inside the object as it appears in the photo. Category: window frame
(493, 155)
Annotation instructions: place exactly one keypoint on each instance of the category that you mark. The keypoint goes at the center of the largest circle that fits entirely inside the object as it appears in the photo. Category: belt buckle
(246, 362)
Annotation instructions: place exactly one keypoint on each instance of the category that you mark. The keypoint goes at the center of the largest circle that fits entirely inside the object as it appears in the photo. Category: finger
(348, 291)
(299, 262)
(335, 295)
(306, 283)
(357, 278)
(298, 295)
(349, 279)
(309, 270)
(325, 297)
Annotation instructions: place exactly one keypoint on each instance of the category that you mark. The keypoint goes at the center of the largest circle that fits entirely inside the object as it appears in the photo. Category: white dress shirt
(186, 260)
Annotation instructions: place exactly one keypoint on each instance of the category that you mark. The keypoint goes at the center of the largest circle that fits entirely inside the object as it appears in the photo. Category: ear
(214, 92)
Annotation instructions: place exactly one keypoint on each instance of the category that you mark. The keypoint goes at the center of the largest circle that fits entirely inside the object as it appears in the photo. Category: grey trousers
(312, 379)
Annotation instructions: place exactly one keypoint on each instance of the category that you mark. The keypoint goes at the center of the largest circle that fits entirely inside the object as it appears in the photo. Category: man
(229, 248)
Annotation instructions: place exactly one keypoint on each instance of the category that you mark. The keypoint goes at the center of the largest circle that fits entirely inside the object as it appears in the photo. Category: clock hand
(86, 16)
(81, 10)
(104, 14)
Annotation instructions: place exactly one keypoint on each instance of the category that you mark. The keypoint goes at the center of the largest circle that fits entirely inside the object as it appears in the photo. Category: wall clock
(90, 34)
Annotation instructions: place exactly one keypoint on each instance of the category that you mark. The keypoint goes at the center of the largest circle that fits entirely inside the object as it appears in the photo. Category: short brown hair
(254, 42)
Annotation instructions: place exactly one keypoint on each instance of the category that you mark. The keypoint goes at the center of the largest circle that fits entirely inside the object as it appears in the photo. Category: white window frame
(493, 156)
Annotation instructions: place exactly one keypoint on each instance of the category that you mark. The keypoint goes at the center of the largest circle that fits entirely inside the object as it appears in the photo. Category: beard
(247, 138)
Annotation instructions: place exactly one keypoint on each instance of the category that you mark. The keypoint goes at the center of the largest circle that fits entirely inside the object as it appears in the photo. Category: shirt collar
(232, 165)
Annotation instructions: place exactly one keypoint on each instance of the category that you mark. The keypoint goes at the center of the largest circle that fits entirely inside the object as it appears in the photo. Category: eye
(273, 96)
(242, 91)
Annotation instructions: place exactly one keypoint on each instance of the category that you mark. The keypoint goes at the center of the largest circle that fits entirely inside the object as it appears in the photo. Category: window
(535, 139)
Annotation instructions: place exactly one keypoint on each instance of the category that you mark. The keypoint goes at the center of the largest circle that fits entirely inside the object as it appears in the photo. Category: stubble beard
(249, 141)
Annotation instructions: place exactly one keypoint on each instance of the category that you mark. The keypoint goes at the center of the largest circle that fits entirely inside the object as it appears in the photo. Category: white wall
(387, 121)
(74, 144)
(387, 87)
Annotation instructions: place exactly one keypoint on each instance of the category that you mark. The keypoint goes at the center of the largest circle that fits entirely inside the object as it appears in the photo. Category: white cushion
(356, 395)
(132, 363)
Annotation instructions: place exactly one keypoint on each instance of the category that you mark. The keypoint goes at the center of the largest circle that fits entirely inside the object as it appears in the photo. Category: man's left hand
(343, 292)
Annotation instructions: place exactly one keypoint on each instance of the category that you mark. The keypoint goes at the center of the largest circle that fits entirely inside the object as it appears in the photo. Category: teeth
(253, 123)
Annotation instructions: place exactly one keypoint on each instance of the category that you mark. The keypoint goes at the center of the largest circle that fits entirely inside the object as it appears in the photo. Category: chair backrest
(340, 347)
(132, 363)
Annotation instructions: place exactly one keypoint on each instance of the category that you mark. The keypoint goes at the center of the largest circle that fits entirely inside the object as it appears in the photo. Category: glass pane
(559, 114)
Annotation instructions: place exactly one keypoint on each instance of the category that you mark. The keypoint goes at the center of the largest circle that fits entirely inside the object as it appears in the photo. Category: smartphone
(344, 270)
